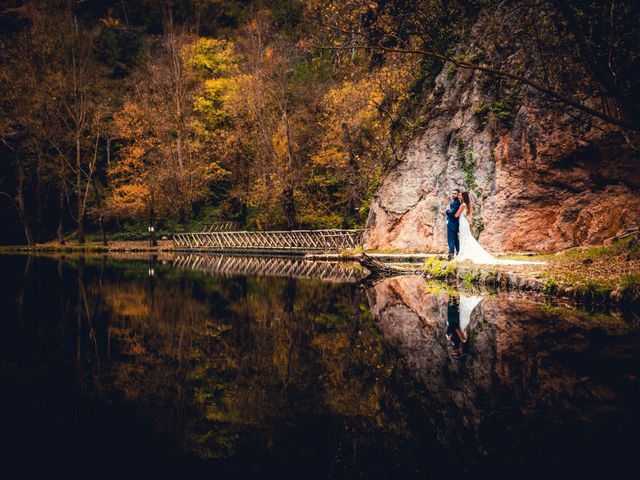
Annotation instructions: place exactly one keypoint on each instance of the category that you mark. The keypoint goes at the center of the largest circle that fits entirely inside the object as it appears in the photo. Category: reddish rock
(552, 179)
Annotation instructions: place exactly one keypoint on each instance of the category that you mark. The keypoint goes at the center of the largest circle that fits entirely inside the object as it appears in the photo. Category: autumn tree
(55, 107)
(166, 165)
(590, 43)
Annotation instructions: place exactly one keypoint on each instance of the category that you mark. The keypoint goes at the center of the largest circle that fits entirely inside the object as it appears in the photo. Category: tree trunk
(108, 151)
(61, 195)
(382, 270)
(152, 219)
(103, 233)
(289, 208)
(22, 209)
(39, 197)
(354, 167)
(289, 199)
(96, 193)
(79, 196)
(184, 219)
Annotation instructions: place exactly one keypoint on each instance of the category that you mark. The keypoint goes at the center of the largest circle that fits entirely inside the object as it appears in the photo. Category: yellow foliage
(279, 142)
(131, 302)
(365, 104)
(210, 56)
(213, 171)
(128, 199)
(129, 122)
(268, 54)
(331, 157)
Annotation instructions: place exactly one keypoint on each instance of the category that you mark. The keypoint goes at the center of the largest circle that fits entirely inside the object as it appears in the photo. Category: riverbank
(607, 274)
(91, 247)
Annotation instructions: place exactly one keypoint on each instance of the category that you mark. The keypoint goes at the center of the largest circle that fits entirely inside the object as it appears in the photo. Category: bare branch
(11, 199)
(488, 69)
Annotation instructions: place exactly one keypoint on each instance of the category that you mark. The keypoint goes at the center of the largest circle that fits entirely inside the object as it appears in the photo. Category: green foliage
(425, 77)
(503, 110)
(550, 286)
(593, 292)
(630, 289)
(330, 320)
(316, 221)
(481, 112)
(316, 69)
(467, 164)
(478, 224)
(438, 270)
(118, 47)
(479, 57)
(372, 189)
(469, 277)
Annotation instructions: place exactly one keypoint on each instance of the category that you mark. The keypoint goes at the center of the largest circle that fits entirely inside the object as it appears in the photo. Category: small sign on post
(151, 230)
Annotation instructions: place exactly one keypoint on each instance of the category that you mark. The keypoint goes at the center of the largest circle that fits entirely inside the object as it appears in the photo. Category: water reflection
(292, 267)
(458, 317)
(107, 367)
(536, 381)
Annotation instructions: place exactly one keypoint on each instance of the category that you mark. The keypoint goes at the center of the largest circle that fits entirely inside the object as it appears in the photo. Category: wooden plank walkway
(293, 241)
(292, 267)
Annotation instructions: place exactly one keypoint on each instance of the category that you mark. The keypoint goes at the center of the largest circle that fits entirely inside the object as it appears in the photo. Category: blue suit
(453, 225)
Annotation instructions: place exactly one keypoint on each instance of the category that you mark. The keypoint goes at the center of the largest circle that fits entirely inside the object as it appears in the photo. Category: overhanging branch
(501, 73)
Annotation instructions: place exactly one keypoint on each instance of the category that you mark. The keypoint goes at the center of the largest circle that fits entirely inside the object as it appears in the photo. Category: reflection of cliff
(528, 365)
(413, 319)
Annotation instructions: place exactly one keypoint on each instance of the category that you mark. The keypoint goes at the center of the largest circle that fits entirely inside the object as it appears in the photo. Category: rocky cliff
(542, 177)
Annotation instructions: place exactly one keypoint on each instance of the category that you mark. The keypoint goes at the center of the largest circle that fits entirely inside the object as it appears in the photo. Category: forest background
(117, 115)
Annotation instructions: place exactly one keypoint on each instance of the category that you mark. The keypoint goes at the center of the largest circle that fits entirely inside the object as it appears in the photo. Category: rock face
(546, 179)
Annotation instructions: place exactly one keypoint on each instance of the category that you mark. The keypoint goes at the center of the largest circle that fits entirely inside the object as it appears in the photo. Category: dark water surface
(191, 369)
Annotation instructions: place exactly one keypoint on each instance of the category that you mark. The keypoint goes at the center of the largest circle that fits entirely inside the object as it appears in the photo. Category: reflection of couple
(458, 318)
(459, 234)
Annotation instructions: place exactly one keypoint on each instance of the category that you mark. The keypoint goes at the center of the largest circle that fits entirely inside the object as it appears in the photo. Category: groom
(453, 224)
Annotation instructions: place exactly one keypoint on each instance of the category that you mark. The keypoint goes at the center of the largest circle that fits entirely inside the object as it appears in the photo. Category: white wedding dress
(471, 250)
(467, 304)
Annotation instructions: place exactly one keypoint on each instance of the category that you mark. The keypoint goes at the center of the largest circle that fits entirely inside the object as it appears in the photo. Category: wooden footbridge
(276, 242)
(292, 267)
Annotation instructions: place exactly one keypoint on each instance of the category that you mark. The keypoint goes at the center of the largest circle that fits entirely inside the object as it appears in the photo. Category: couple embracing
(459, 236)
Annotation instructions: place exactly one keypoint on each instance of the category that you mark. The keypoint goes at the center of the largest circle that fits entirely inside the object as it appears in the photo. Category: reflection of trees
(225, 361)
(247, 367)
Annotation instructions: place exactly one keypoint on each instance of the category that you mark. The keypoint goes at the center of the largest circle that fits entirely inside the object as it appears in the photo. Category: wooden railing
(219, 227)
(272, 241)
(293, 267)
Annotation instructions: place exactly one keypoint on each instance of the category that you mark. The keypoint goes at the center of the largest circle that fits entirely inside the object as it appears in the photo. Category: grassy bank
(599, 275)
(91, 247)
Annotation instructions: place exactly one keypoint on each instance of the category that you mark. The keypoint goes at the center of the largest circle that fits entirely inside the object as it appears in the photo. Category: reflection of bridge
(295, 241)
(295, 267)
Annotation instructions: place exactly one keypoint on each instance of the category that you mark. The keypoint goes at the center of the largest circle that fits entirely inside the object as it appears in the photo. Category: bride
(470, 249)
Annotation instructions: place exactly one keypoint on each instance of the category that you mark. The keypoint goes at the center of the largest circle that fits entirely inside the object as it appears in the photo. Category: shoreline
(604, 275)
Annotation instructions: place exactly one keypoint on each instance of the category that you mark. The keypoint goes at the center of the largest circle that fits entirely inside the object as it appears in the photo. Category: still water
(214, 367)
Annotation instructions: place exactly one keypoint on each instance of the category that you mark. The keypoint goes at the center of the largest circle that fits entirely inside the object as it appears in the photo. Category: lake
(232, 367)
